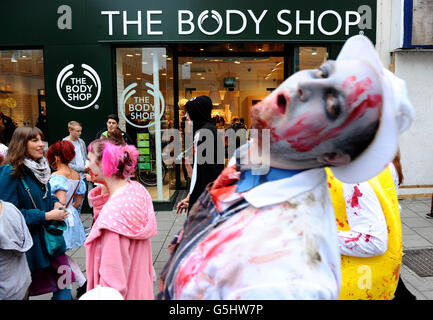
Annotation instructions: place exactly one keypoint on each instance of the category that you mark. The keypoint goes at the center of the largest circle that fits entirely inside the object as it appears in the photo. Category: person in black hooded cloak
(205, 168)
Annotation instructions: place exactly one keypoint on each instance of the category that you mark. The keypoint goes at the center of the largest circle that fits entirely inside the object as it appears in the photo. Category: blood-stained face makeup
(327, 115)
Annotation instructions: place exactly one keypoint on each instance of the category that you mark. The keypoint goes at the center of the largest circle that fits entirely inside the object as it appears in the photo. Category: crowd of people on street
(295, 217)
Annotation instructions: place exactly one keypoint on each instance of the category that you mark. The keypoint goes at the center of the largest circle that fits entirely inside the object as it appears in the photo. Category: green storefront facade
(137, 59)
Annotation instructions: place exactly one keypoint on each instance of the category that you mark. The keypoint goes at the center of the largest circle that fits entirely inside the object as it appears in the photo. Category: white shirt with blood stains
(282, 246)
(368, 235)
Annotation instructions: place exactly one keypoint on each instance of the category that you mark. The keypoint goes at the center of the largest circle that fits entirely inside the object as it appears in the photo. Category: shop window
(22, 91)
(309, 57)
(230, 47)
(234, 84)
(145, 110)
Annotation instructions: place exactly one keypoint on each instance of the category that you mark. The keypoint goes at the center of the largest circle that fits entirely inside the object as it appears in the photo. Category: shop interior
(234, 76)
(22, 91)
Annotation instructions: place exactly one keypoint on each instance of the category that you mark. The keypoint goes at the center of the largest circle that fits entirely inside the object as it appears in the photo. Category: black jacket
(207, 172)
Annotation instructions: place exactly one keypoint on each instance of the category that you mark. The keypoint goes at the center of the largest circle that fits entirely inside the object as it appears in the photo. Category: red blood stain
(311, 138)
(196, 262)
(209, 248)
(359, 88)
(303, 136)
(260, 124)
(348, 81)
(354, 202)
(367, 238)
(354, 239)
(341, 224)
(275, 136)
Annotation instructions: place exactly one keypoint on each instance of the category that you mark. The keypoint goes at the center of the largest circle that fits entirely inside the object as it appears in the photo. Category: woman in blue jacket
(27, 168)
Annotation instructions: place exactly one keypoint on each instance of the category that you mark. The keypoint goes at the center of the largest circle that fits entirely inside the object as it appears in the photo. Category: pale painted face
(328, 115)
(35, 148)
(95, 168)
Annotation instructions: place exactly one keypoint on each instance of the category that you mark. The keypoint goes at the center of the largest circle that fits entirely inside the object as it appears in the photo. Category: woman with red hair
(67, 186)
(118, 248)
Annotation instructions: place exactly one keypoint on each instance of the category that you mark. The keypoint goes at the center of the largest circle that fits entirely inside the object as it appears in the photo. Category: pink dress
(118, 249)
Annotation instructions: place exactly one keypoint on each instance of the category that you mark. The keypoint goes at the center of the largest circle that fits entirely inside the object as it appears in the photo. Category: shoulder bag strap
(26, 187)
(75, 191)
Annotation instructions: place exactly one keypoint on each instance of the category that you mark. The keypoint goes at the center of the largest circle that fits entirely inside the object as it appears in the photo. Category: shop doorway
(234, 84)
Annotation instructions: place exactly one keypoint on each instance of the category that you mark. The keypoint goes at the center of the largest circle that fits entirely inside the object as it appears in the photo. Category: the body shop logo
(140, 111)
(216, 16)
(78, 88)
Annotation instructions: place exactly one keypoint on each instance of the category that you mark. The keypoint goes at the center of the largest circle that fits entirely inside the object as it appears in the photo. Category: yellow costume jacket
(373, 278)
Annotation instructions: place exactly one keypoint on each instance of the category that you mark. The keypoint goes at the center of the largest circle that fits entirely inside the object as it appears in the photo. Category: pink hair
(119, 160)
(116, 160)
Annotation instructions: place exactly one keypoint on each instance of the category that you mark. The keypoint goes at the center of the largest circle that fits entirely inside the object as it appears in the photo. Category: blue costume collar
(249, 181)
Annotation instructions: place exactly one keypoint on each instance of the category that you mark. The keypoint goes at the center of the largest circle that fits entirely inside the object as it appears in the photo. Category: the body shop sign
(78, 87)
(139, 111)
(284, 21)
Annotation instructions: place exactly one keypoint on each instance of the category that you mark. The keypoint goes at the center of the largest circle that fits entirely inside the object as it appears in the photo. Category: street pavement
(417, 234)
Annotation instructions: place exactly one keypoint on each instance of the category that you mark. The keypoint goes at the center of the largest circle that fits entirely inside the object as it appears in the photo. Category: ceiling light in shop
(203, 78)
(138, 78)
(201, 49)
(237, 62)
(313, 51)
(127, 74)
(164, 74)
(129, 55)
(144, 62)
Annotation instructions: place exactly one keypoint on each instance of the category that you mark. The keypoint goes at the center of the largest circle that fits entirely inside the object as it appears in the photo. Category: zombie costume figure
(273, 236)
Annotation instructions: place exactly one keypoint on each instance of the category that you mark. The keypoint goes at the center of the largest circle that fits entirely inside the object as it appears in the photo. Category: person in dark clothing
(113, 124)
(206, 168)
(8, 128)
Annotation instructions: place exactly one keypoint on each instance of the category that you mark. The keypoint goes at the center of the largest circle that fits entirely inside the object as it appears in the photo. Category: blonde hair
(72, 124)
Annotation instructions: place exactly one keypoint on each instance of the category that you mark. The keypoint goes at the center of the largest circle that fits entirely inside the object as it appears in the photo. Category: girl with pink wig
(118, 248)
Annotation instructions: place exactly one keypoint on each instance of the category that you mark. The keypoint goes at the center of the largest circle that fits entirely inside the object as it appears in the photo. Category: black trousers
(402, 293)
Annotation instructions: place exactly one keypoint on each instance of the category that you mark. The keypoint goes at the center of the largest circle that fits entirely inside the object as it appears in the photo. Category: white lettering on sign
(141, 108)
(289, 21)
(79, 92)
(339, 22)
(65, 20)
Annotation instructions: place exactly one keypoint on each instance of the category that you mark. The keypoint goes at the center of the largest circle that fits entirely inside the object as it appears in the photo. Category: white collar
(278, 191)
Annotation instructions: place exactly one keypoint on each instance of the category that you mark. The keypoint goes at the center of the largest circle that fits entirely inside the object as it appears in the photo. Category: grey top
(74, 163)
(15, 240)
